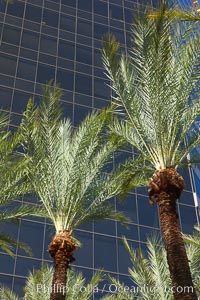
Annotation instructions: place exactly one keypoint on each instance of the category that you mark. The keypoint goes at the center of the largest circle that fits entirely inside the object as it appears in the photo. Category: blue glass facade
(61, 40)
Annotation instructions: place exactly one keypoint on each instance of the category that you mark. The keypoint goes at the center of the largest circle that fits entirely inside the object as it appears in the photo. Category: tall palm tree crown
(156, 86)
(67, 173)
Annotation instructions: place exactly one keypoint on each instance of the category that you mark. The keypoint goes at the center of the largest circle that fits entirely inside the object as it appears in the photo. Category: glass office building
(61, 40)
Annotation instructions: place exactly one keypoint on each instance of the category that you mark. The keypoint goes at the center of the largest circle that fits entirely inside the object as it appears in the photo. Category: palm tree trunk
(61, 249)
(165, 187)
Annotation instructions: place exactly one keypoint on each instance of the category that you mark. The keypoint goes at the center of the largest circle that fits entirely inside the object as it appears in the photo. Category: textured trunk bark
(176, 254)
(61, 249)
(58, 288)
(165, 187)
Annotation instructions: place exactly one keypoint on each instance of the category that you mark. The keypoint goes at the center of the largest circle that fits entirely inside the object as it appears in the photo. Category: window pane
(65, 79)
(100, 30)
(83, 254)
(128, 15)
(50, 18)
(8, 64)
(148, 214)
(118, 2)
(84, 27)
(24, 265)
(98, 58)
(5, 98)
(48, 45)
(105, 226)
(65, 63)
(11, 35)
(101, 89)
(18, 286)
(187, 197)
(36, 2)
(28, 54)
(3, 6)
(100, 8)
(80, 112)
(84, 54)
(116, 12)
(85, 5)
(7, 264)
(26, 69)
(67, 109)
(30, 40)
(9, 49)
(99, 103)
(20, 101)
(67, 23)
(45, 73)
(108, 246)
(15, 9)
(33, 13)
(69, 2)
(7, 80)
(188, 218)
(83, 84)
(47, 59)
(66, 50)
(24, 85)
(83, 99)
(87, 69)
(186, 175)
(32, 233)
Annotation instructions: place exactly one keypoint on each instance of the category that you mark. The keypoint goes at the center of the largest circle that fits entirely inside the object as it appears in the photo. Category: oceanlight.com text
(113, 289)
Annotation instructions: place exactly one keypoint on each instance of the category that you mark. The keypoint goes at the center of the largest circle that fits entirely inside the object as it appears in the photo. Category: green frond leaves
(6, 294)
(7, 243)
(156, 84)
(110, 48)
(21, 211)
(38, 284)
(67, 167)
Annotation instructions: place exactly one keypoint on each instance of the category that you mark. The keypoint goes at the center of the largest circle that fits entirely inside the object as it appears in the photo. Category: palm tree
(67, 175)
(38, 286)
(149, 273)
(156, 86)
(13, 184)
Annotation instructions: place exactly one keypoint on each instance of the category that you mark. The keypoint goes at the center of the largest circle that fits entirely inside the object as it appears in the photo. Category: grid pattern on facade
(43, 40)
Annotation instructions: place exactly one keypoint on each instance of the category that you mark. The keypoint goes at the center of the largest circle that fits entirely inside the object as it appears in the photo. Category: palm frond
(156, 84)
(38, 284)
(6, 294)
(67, 167)
(21, 211)
(7, 243)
